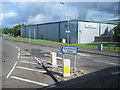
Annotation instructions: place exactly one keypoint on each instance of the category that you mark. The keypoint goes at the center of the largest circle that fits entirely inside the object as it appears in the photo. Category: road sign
(68, 50)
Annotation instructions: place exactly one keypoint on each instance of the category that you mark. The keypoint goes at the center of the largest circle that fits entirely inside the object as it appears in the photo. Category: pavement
(92, 80)
(84, 50)
(108, 76)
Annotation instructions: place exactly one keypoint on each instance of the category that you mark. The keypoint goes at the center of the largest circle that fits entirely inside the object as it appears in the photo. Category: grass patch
(87, 45)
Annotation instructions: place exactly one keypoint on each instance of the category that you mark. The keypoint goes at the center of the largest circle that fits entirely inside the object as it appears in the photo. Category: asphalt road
(20, 69)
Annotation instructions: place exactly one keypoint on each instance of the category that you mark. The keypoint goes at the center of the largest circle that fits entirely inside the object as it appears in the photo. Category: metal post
(75, 64)
(21, 31)
(68, 34)
(34, 35)
(67, 14)
(29, 35)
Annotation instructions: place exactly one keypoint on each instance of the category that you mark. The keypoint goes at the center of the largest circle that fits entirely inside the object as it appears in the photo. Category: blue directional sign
(68, 49)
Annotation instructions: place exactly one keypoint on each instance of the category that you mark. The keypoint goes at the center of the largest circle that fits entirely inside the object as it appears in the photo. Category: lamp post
(68, 21)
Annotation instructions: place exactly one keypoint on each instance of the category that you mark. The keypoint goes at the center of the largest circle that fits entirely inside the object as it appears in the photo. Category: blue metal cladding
(42, 32)
(33, 32)
(56, 31)
(73, 31)
(53, 32)
(48, 31)
(23, 32)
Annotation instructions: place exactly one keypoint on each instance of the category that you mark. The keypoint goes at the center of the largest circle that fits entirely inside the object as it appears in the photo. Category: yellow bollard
(53, 59)
(66, 68)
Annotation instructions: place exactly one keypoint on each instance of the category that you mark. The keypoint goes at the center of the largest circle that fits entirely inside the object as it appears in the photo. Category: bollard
(66, 68)
(63, 40)
(53, 59)
(100, 47)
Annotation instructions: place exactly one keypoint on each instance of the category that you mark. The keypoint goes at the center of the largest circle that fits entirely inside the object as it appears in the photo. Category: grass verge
(86, 45)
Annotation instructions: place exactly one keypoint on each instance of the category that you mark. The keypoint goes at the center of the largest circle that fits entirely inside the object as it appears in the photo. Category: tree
(1, 30)
(116, 35)
(6, 30)
(11, 30)
(17, 29)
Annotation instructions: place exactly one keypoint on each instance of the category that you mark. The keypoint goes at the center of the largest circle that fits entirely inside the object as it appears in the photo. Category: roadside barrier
(53, 59)
(66, 68)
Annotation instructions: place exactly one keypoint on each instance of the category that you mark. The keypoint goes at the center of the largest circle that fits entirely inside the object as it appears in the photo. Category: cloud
(10, 14)
(40, 12)
(98, 15)
(37, 19)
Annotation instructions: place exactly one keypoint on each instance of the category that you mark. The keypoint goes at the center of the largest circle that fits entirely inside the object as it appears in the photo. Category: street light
(67, 26)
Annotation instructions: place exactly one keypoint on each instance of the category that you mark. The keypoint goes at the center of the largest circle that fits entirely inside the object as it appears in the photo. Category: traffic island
(58, 72)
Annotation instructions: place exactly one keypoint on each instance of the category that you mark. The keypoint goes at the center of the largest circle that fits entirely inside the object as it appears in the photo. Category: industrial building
(81, 31)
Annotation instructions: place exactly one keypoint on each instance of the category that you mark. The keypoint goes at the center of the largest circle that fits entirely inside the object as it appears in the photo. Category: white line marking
(27, 52)
(59, 58)
(11, 70)
(46, 55)
(38, 61)
(23, 54)
(15, 46)
(104, 62)
(30, 69)
(28, 62)
(24, 57)
(30, 81)
(45, 60)
(18, 49)
(18, 54)
(82, 54)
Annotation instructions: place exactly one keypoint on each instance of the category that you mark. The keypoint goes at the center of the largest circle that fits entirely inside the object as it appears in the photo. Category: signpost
(69, 50)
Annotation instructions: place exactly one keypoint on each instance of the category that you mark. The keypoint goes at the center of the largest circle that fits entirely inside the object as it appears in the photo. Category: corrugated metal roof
(82, 20)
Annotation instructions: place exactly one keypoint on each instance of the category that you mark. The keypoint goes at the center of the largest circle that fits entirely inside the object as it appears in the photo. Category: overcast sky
(40, 12)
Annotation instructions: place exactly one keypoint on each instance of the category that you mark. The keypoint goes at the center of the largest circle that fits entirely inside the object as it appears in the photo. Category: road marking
(59, 58)
(18, 48)
(27, 52)
(24, 57)
(15, 46)
(28, 62)
(38, 60)
(11, 70)
(30, 81)
(105, 62)
(46, 55)
(44, 60)
(18, 54)
(56, 57)
(30, 69)
(82, 54)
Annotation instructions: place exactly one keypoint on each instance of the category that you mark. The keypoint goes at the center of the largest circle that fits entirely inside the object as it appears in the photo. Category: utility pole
(68, 24)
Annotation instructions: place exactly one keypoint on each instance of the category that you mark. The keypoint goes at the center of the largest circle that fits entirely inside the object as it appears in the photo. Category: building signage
(68, 50)
(90, 25)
